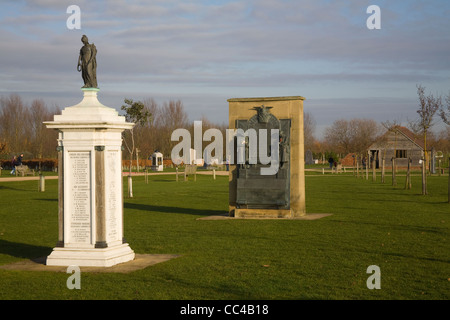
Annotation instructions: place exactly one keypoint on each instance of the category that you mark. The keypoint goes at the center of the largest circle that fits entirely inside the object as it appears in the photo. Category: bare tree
(3, 146)
(391, 127)
(309, 127)
(365, 131)
(22, 129)
(428, 106)
(13, 118)
(51, 136)
(443, 140)
(352, 136)
(38, 114)
(339, 136)
(172, 117)
(445, 114)
(134, 112)
(144, 133)
(155, 132)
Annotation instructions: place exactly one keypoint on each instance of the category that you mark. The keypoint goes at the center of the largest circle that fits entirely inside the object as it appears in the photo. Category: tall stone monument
(90, 212)
(281, 194)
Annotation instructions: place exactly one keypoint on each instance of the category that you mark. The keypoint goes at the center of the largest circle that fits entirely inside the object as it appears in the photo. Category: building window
(400, 154)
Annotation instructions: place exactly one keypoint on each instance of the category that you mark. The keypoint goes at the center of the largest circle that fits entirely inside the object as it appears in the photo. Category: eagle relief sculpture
(263, 113)
(87, 63)
(264, 119)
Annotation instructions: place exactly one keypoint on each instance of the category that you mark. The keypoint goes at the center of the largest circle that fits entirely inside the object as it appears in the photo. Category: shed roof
(406, 133)
(411, 136)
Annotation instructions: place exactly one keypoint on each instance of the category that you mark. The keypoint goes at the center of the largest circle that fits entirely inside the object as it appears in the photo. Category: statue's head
(84, 39)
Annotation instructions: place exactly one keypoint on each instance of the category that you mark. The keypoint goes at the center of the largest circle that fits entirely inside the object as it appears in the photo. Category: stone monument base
(86, 257)
(262, 213)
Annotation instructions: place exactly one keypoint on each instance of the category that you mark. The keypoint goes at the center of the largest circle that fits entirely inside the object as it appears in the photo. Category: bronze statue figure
(87, 63)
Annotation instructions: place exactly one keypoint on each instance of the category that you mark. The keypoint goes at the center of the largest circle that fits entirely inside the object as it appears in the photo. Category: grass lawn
(404, 233)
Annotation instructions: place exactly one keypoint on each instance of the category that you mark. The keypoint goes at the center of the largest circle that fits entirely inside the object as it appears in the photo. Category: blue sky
(204, 52)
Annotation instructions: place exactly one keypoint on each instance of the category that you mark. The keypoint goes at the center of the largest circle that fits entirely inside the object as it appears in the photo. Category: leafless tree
(353, 135)
(443, 140)
(339, 136)
(38, 114)
(13, 118)
(309, 127)
(445, 114)
(146, 134)
(22, 129)
(428, 106)
(172, 116)
(392, 127)
(135, 112)
(365, 133)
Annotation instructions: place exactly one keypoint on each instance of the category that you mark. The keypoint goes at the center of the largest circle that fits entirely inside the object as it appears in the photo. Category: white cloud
(52, 4)
(257, 47)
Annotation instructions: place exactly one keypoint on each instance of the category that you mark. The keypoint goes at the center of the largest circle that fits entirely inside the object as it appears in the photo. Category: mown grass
(402, 232)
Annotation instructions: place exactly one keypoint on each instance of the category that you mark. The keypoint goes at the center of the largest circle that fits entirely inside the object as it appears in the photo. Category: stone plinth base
(309, 216)
(140, 262)
(96, 257)
(262, 213)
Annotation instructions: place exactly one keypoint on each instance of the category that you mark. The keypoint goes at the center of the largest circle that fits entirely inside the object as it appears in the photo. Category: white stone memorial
(90, 185)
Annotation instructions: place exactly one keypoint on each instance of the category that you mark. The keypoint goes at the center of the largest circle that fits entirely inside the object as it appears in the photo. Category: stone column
(298, 196)
(100, 197)
(60, 242)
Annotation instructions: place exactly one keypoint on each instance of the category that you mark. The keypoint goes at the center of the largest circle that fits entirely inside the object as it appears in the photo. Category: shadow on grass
(11, 188)
(418, 256)
(50, 199)
(23, 250)
(163, 209)
(440, 231)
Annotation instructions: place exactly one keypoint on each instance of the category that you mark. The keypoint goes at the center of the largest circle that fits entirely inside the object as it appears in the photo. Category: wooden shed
(400, 143)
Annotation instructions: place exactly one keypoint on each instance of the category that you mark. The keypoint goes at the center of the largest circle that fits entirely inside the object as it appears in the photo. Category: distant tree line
(356, 135)
(351, 135)
(160, 120)
(22, 129)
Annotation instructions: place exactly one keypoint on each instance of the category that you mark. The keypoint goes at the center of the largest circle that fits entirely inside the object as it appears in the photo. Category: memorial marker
(90, 179)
